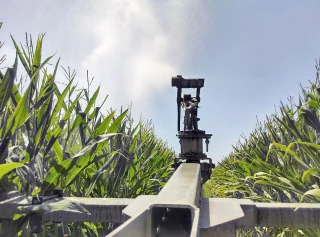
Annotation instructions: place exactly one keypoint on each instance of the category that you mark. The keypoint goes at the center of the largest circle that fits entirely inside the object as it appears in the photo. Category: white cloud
(133, 51)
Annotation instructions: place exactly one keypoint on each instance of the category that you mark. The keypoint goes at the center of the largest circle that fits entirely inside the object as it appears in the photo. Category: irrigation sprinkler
(191, 137)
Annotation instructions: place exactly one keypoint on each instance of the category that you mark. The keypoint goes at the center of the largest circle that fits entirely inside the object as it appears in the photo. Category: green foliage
(278, 162)
(6, 168)
(59, 136)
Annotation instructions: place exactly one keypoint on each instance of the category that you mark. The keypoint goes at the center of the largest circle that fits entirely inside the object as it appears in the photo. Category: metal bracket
(36, 220)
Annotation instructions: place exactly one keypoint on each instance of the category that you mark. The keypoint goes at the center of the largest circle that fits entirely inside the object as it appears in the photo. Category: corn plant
(59, 136)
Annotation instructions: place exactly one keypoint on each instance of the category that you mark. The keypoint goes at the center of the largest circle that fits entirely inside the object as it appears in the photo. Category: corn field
(54, 136)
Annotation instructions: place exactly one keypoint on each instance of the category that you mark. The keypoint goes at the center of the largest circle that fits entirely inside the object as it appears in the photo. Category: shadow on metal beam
(171, 221)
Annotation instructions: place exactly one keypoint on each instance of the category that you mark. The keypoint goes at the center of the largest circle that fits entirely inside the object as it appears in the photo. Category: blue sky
(252, 54)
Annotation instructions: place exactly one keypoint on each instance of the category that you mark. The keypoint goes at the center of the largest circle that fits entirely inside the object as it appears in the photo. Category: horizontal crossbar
(101, 209)
(177, 211)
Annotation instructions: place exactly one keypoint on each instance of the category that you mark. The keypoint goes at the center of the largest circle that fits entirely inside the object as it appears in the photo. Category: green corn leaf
(58, 94)
(65, 166)
(92, 226)
(59, 103)
(88, 158)
(6, 85)
(286, 181)
(22, 58)
(310, 144)
(313, 192)
(20, 114)
(27, 56)
(51, 179)
(43, 114)
(6, 168)
(37, 54)
(285, 149)
(53, 142)
(299, 162)
(311, 118)
(117, 122)
(312, 96)
(34, 78)
(260, 174)
(74, 126)
(313, 103)
(53, 136)
(15, 95)
(97, 176)
(306, 174)
(92, 101)
(42, 100)
(103, 126)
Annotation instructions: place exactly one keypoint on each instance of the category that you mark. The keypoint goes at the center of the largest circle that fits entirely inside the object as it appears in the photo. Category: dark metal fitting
(207, 144)
(57, 192)
(35, 223)
(37, 200)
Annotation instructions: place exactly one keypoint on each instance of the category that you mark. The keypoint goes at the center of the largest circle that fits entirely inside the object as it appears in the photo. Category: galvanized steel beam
(101, 209)
(178, 211)
(223, 216)
(173, 212)
(302, 215)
